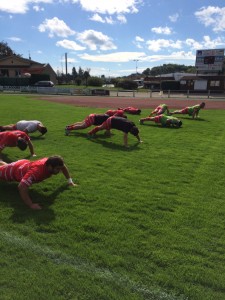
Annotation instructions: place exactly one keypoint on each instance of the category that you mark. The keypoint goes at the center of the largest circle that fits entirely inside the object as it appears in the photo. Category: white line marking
(86, 267)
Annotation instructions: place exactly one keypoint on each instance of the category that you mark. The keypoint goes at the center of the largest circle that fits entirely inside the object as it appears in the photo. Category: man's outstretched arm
(66, 173)
(23, 190)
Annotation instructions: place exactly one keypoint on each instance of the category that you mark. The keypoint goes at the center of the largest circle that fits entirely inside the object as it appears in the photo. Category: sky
(112, 37)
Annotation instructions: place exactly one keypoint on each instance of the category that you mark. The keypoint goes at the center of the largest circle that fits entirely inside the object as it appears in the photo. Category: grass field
(146, 222)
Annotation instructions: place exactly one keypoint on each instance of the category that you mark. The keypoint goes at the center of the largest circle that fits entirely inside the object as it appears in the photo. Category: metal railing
(209, 94)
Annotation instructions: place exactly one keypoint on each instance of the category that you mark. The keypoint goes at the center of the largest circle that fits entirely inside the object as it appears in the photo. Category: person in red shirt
(16, 138)
(116, 112)
(131, 110)
(159, 110)
(27, 172)
(92, 119)
(118, 123)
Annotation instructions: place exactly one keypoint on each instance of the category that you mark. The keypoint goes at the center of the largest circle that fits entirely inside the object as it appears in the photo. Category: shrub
(95, 81)
(127, 84)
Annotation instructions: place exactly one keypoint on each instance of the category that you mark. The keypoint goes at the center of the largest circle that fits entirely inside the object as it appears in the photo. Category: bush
(95, 81)
(127, 84)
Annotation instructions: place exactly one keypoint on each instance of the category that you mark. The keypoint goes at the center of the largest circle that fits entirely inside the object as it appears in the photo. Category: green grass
(144, 223)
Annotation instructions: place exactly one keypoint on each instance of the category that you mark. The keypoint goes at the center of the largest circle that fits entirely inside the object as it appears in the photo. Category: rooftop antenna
(29, 55)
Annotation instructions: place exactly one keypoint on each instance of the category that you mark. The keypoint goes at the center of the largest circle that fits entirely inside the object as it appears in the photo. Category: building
(14, 66)
(186, 82)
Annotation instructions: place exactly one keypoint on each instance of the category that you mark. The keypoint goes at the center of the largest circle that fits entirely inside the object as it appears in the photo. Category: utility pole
(136, 60)
(66, 63)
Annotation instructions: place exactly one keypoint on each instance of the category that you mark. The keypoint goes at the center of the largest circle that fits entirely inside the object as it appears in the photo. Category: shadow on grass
(37, 137)
(101, 139)
(161, 127)
(21, 212)
(190, 119)
(85, 134)
(5, 158)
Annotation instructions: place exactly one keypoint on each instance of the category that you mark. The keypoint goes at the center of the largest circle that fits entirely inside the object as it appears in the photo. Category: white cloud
(138, 42)
(193, 44)
(162, 30)
(212, 44)
(113, 57)
(174, 18)
(55, 27)
(19, 6)
(174, 56)
(212, 16)
(123, 57)
(157, 45)
(97, 18)
(70, 45)
(122, 19)
(139, 39)
(15, 39)
(95, 40)
(206, 43)
(110, 7)
(38, 8)
(108, 19)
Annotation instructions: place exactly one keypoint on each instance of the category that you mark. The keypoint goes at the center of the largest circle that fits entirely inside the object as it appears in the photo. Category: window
(214, 83)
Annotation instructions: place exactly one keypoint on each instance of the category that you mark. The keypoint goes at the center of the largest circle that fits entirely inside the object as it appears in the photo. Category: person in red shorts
(27, 172)
(92, 119)
(118, 123)
(159, 110)
(131, 110)
(192, 111)
(16, 138)
(116, 112)
(164, 120)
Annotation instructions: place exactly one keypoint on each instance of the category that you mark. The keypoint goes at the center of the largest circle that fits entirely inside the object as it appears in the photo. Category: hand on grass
(73, 184)
(35, 206)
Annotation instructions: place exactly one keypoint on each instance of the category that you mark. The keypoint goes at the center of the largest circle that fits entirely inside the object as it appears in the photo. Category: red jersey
(24, 171)
(117, 112)
(132, 110)
(10, 138)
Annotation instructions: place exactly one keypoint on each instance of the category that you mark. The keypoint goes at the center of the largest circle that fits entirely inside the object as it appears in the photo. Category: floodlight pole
(136, 60)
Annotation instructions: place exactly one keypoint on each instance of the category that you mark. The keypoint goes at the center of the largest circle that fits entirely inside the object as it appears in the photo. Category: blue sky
(112, 37)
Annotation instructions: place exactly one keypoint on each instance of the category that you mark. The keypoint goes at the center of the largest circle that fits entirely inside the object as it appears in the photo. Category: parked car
(44, 84)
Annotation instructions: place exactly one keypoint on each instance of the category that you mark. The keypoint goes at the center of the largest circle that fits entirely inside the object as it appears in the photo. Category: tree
(74, 74)
(80, 72)
(95, 81)
(127, 84)
(5, 50)
(86, 75)
(147, 72)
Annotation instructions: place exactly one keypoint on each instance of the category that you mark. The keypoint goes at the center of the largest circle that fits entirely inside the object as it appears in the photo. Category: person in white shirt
(26, 126)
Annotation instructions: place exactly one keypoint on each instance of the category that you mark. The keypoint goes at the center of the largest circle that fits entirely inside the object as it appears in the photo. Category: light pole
(136, 60)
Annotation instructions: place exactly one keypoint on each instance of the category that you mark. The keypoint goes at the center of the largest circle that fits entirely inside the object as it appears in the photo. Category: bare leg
(7, 127)
(147, 119)
(75, 126)
(97, 128)
(2, 163)
(176, 112)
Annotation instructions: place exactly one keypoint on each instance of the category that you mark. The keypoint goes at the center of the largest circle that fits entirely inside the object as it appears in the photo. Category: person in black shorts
(118, 123)
(92, 119)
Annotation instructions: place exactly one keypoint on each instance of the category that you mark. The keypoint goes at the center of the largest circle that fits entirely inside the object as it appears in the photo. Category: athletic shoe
(91, 136)
(67, 132)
